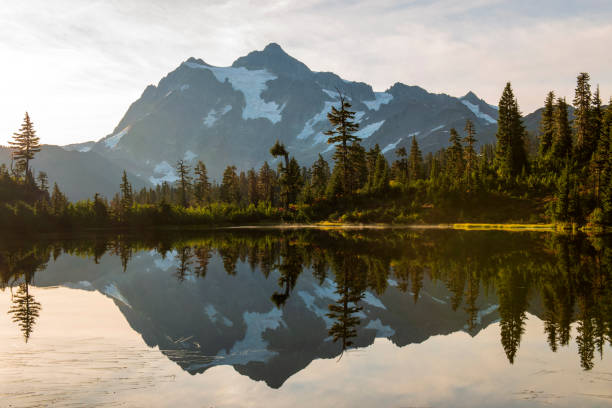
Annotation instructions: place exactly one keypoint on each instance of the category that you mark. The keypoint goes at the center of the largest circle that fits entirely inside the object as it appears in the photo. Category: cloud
(76, 66)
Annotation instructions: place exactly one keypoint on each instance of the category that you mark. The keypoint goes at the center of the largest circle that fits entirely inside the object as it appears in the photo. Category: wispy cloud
(78, 65)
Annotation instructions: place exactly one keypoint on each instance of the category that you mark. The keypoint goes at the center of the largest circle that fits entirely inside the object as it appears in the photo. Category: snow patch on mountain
(391, 146)
(382, 330)
(166, 173)
(112, 291)
(112, 140)
(436, 128)
(319, 117)
(369, 130)
(309, 301)
(253, 347)
(359, 115)
(184, 87)
(215, 316)
(476, 111)
(214, 115)
(380, 98)
(372, 300)
(251, 83)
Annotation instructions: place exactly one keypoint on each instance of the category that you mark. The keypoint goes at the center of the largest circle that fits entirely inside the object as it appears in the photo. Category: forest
(561, 175)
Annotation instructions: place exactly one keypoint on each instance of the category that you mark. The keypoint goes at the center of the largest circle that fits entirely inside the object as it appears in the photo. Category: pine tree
(582, 119)
(562, 137)
(25, 145)
(202, 187)
(252, 190)
(230, 186)
(279, 150)
(43, 183)
(127, 196)
(510, 154)
(599, 157)
(415, 161)
(469, 152)
(455, 152)
(402, 164)
(320, 176)
(59, 202)
(265, 185)
(342, 135)
(183, 182)
(547, 126)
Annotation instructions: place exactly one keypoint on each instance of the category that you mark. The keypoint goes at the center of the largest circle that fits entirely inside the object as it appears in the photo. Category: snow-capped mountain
(232, 115)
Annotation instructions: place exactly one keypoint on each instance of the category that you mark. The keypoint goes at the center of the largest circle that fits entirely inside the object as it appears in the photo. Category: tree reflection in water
(564, 280)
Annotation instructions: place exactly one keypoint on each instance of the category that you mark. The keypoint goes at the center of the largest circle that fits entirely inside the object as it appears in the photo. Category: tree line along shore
(560, 176)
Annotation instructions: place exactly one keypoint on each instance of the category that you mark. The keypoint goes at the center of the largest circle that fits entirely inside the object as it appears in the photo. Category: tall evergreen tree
(320, 176)
(547, 126)
(456, 164)
(342, 135)
(582, 118)
(252, 190)
(127, 196)
(469, 152)
(415, 161)
(510, 154)
(202, 187)
(402, 164)
(562, 137)
(266, 182)
(183, 182)
(230, 186)
(24, 146)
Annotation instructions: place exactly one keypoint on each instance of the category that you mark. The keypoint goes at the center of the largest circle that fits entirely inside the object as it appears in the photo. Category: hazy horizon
(76, 67)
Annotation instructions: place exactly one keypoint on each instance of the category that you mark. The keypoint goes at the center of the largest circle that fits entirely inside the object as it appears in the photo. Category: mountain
(232, 115)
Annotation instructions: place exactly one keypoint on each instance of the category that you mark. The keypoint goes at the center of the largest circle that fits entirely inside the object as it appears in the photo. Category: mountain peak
(274, 48)
(276, 60)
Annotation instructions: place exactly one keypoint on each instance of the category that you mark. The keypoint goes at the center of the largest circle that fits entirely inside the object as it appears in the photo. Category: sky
(76, 66)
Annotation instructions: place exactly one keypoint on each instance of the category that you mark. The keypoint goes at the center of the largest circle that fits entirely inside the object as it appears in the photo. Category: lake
(306, 317)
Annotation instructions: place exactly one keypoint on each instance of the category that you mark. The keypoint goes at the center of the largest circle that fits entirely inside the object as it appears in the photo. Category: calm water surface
(303, 318)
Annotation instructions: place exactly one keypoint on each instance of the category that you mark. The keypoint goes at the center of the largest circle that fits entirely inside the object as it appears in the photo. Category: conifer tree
(230, 186)
(547, 126)
(562, 137)
(469, 152)
(342, 136)
(202, 187)
(43, 182)
(582, 118)
(415, 161)
(127, 196)
(510, 154)
(184, 182)
(24, 146)
(59, 202)
(455, 152)
(402, 164)
(320, 176)
(266, 181)
(252, 190)
(279, 150)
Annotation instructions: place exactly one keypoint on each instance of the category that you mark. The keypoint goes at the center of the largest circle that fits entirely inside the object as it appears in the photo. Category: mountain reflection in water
(269, 302)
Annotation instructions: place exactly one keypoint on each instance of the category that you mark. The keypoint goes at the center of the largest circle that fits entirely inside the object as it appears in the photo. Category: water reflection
(352, 285)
